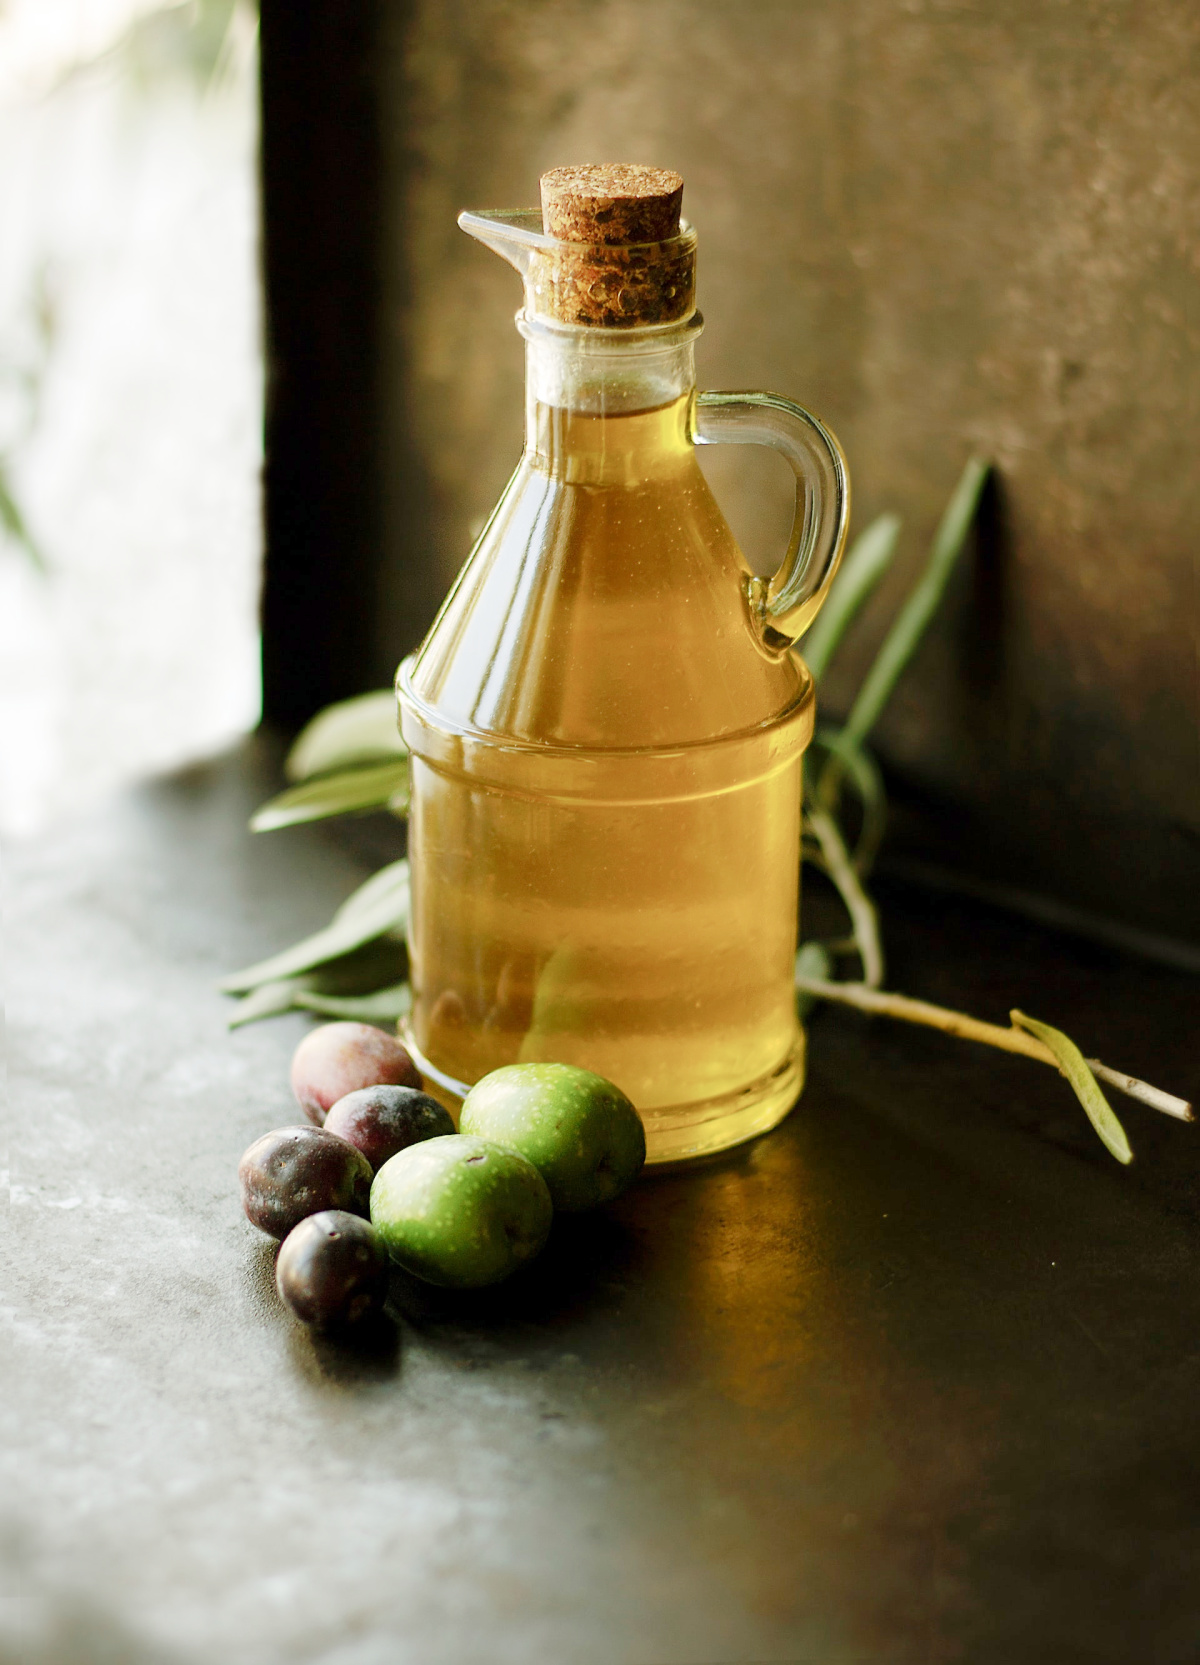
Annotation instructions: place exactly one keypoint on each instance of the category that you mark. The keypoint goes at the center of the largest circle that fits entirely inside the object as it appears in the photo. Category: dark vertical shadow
(996, 844)
(416, 567)
(984, 662)
(321, 200)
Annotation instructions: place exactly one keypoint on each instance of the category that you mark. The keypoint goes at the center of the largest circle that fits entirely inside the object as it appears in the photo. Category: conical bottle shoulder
(604, 607)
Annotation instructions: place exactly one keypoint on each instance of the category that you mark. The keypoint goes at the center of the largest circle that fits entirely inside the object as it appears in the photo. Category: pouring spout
(514, 234)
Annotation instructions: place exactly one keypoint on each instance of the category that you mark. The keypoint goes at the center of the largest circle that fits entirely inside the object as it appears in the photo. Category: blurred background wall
(946, 225)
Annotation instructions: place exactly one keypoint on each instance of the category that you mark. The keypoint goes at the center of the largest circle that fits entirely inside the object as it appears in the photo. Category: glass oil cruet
(607, 719)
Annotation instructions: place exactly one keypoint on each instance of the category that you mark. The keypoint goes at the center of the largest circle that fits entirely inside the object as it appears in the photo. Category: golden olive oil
(604, 831)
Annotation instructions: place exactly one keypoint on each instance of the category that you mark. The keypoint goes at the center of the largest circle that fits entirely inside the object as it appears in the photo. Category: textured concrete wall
(956, 226)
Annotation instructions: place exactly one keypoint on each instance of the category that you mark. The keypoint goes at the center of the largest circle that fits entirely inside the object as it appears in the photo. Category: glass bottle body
(604, 831)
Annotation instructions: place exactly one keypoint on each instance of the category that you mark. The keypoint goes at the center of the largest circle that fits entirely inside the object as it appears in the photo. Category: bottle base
(681, 1132)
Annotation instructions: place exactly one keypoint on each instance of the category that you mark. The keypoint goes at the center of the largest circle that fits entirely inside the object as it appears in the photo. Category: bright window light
(130, 394)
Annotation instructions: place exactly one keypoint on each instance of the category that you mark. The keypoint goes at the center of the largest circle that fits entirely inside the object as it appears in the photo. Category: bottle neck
(633, 449)
(605, 372)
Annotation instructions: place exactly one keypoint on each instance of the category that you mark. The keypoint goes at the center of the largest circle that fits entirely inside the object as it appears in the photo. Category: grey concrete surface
(912, 1379)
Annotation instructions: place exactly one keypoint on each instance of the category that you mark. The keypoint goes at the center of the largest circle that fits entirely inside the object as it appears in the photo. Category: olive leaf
(902, 639)
(349, 792)
(378, 964)
(812, 960)
(268, 1000)
(862, 774)
(556, 1003)
(1055, 1049)
(383, 910)
(1074, 1066)
(386, 1005)
(863, 565)
(831, 856)
(390, 882)
(847, 754)
(357, 731)
(13, 521)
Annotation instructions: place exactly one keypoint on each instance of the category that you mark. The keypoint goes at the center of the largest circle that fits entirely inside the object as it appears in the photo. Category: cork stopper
(624, 261)
(611, 202)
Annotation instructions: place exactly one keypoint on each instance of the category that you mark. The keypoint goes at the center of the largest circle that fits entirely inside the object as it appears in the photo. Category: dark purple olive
(332, 1269)
(379, 1121)
(297, 1171)
(338, 1058)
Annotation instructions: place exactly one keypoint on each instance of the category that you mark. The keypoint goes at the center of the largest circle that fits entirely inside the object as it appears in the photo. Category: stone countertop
(912, 1379)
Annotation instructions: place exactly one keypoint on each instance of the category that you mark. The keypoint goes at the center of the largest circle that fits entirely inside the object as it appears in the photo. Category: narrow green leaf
(13, 521)
(383, 1006)
(377, 965)
(901, 641)
(858, 768)
(390, 881)
(387, 912)
(556, 1004)
(1087, 1090)
(812, 961)
(834, 860)
(268, 1000)
(863, 565)
(350, 792)
(362, 730)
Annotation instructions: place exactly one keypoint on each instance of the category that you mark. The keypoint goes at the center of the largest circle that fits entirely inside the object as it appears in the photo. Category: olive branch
(351, 760)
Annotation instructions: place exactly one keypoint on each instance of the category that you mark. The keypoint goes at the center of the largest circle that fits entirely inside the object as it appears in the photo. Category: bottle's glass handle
(783, 607)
